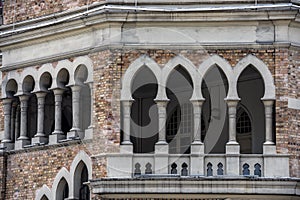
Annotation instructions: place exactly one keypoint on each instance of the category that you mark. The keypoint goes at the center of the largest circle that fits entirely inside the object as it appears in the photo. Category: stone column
(17, 123)
(7, 140)
(232, 120)
(7, 105)
(40, 136)
(162, 117)
(57, 133)
(232, 147)
(197, 146)
(23, 140)
(13, 119)
(197, 106)
(268, 120)
(268, 146)
(88, 133)
(74, 132)
(126, 146)
(161, 147)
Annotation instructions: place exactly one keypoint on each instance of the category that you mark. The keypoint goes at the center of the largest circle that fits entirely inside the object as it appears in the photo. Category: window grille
(243, 123)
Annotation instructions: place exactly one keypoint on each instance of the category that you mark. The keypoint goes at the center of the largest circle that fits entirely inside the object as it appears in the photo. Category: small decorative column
(126, 146)
(268, 146)
(7, 142)
(12, 120)
(232, 147)
(197, 147)
(23, 140)
(161, 147)
(89, 132)
(75, 130)
(40, 136)
(17, 123)
(57, 133)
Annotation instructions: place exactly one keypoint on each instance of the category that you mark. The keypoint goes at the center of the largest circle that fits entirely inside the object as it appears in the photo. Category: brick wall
(293, 116)
(27, 171)
(2, 174)
(20, 10)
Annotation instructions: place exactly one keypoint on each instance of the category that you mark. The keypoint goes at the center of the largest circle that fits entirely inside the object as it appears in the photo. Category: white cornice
(85, 23)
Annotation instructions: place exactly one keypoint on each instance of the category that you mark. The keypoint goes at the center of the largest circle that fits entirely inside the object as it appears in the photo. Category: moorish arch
(43, 70)
(263, 70)
(190, 69)
(87, 63)
(133, 70)
(216, 60)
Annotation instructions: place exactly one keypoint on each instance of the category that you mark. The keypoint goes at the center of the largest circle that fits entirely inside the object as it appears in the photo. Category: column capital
(232, 102)
(40, 94)
(58, 90)
(75, 88)
(24, 97)
(268, 102)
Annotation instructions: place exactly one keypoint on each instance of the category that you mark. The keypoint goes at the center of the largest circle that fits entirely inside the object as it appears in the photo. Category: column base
(39, 140)
(197, 148)
(269, 149)
(54, 139)
(74, 134)
(6, 146)
(232, 148)
(19, 144)
(161, 148)
(126, 148)
(88, 134)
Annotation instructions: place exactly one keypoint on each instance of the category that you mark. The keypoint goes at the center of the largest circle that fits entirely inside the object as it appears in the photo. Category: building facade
(112, 99)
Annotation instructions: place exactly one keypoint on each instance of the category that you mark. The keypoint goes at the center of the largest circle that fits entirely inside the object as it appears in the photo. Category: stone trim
(43, 191)
(197, 185)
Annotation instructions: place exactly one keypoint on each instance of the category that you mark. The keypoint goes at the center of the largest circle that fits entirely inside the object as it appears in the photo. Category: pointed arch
(190, 68)
(224, 66)
(133, 70)
(263, 70)
(81, 159)
(62, 174)
(43, 191)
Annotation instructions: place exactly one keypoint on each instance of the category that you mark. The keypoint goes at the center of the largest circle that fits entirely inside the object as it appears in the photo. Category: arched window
(179, 128)
(62, 191)
(250, 111)
(81, 190)
(84, 192)
(214, 110)
(144, 123)
(244, 130)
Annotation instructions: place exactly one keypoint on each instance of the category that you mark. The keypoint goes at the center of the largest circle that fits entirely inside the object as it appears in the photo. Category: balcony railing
(210, 165)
